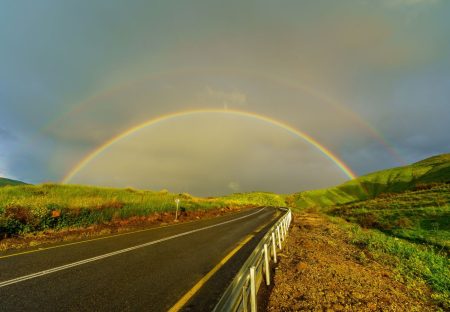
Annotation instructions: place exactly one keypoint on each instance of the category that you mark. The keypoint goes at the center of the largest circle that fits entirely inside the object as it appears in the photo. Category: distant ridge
(5, 181)
(435, 169)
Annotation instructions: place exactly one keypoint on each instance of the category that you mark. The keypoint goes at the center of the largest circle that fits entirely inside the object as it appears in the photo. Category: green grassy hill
(421, 216)
(431, 170)
(5, 181)
(29, 208)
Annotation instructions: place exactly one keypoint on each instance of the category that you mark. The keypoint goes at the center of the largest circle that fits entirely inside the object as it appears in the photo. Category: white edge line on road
(109, 236)
(74, 264)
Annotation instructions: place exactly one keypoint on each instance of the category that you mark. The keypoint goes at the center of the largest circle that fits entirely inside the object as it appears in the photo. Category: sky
(368, 80)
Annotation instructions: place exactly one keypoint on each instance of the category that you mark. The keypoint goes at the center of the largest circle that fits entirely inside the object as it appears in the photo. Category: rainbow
(105, 94)
(326, 152)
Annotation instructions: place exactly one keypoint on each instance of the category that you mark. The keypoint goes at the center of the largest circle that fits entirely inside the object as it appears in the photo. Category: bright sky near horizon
(368, 80)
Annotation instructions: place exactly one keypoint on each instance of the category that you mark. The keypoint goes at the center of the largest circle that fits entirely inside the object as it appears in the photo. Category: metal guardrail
(241, 293)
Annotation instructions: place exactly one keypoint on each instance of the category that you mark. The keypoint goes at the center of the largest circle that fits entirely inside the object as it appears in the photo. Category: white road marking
(74, 264)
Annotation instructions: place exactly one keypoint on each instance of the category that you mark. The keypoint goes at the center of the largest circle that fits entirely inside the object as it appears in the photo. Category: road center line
(74, 264)
(183, 300)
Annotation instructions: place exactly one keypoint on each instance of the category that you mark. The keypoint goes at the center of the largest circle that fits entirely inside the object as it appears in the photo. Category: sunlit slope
(5, 181)
(431, 170)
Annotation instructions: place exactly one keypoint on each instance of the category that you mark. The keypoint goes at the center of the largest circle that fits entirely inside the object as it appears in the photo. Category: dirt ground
(320, 271)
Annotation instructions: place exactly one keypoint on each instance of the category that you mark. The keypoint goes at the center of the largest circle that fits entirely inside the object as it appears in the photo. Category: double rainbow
(117, 89)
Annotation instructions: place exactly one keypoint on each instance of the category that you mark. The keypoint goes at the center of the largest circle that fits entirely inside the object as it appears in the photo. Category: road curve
(147, 270)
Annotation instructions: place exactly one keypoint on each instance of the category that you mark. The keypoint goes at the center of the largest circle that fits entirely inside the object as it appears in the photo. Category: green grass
(29, 208)
(409, 231)
(413, 262)
(400, 215)
(421, 216)
(255, 198)
(432, 170)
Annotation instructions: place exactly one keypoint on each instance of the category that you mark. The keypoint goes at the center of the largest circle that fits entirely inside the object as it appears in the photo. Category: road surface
(146, 270)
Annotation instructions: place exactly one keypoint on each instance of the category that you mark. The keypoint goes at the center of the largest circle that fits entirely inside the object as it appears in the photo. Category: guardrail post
(279, 238)
(253, 289)
(241, 293)
(274, 247)
(266, 261)
(244, 298)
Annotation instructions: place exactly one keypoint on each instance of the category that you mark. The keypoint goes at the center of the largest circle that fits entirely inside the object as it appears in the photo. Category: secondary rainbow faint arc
(341, 165)
(324, 98)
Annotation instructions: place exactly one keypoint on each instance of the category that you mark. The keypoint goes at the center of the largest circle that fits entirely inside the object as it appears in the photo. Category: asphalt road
(144, 271)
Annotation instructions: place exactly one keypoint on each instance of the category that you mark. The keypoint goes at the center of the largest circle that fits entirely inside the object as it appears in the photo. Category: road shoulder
(117, 227)
(320, 270)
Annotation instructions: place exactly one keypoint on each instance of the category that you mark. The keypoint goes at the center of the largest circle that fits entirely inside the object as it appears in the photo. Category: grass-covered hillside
(432, 170)
(421, 216)
(408, 230)
(29, 208)
(5, 181)
(403, 219)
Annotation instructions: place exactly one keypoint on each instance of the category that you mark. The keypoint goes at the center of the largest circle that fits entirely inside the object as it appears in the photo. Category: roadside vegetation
(409, 231)
(415, 263)
(399, 217)
(329, 264)
(28, 208)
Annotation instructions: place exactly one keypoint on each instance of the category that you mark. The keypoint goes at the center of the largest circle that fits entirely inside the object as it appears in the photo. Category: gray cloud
(313, 65)
(7, 135)
(228, 99)
(410, 2)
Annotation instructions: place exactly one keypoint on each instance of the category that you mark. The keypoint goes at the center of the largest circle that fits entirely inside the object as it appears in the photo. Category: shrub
(21, 214)
(404, 223)
(369, 220)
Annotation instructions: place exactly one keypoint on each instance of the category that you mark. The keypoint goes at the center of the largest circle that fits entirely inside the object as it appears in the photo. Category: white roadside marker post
(177, 201)
(266, 262)
(253, 289)
(279, 237)
(274, 247)
(244, 298)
